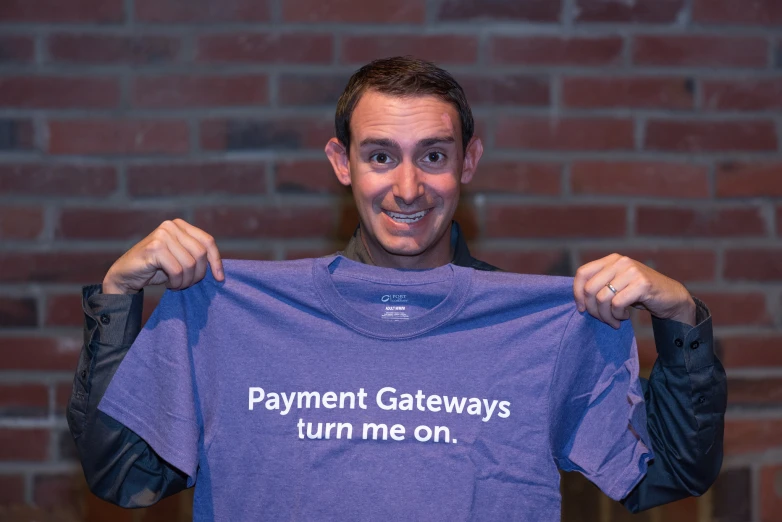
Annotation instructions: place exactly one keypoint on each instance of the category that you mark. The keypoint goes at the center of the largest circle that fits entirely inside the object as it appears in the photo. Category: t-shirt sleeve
(597, 414)
(153, 391)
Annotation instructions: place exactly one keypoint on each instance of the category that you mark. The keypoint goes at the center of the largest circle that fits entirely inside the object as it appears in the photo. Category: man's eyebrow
(382, 142)
(428, 142)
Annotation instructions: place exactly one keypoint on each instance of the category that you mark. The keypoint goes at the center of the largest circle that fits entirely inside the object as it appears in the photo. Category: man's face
(405, 166)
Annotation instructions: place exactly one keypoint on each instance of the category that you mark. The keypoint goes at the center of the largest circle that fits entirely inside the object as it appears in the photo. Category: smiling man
(404, 143)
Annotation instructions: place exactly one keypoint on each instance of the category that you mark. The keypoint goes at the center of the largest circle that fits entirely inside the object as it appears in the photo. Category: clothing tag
(393, 309)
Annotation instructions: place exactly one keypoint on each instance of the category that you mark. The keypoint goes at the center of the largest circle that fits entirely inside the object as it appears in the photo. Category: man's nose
(407, 185)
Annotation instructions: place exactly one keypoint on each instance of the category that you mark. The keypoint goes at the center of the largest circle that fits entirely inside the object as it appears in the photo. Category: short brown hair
(402, 76)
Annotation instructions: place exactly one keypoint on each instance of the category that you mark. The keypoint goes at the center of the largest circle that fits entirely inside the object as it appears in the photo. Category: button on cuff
(694, 345)
(105, 319)
(678, 342)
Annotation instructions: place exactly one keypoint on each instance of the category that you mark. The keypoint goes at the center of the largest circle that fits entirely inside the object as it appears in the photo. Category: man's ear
(338, 156)
(472, 155)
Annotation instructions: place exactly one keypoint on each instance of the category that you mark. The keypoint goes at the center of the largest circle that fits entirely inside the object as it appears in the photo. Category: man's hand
(636, 285)
(175, 253)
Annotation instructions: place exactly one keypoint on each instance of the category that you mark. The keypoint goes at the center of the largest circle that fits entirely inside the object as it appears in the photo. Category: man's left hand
(636, 285)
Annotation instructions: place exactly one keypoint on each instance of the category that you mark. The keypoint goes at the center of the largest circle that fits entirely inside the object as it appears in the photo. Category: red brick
(710, 136)
(755, 392)
(779, 220)
(749, 179)
(635, 93)
(16, 134)
(506, 90)
(196, 179)
(750, 351)
(539, 133)
(57, 92)
(752, 436)
(700, 51)
(64, 310)
(553, 50)
(770, 492)
(278, 133)
(62, 394)
(442, 49)
(548, 222)
(517, 178)
(176, 92)
(546, 262)
(55, 491)
(656, 179)
(307, 177)
(51, 179)
(24, 400)
(645, 11)
(353, 11)
(743, 95)
(18, 312)
(755, 12)
(100, 11)
(40, 353)
(500, 10)
(285, 48)
(751, 264)
(282, 223)
(56, 267)
(256, 255)
(24, 444)
(118, 137)
(82, 223)
(20, 222)
(113, 49)
(11, 490)
(737, 309)
(310, 89)
(16, 49)
(684, 265)
(189, 11)
(694, 222)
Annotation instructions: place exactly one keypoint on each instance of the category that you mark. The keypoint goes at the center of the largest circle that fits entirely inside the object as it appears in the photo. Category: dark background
(647, 127)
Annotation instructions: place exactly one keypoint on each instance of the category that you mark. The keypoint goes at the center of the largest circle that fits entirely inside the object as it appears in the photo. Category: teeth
(406, 218)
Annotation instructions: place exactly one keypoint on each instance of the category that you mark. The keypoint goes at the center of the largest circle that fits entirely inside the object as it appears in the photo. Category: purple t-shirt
(326, 389)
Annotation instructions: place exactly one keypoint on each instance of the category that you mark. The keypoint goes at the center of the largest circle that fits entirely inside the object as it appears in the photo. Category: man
(404, 143)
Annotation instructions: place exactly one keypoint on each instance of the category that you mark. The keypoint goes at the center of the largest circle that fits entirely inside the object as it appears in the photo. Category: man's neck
(441, 253)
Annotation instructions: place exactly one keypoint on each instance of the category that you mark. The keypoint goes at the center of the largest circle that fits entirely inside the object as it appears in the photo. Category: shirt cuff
(113, 319)
(679, 344)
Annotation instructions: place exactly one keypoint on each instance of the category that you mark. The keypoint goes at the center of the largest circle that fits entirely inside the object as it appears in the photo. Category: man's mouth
(407, 219)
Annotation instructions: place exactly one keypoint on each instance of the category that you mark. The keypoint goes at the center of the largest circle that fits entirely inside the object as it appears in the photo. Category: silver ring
(611, 287)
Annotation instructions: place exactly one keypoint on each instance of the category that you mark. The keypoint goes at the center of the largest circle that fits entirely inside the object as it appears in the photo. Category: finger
(196, 250)
(596, 284)
(584, 274)
(604, 299)
(170, 267)
(212, 253)
(186, 262)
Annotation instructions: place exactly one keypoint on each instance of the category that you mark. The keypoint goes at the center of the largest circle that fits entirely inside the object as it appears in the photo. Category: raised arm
(686, 395)
(119, 466)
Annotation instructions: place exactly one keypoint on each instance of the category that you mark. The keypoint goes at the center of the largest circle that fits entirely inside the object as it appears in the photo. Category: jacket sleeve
(686, 397)
(119, 466)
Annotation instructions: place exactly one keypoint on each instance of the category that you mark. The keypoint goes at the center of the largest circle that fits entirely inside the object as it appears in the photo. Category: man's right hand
(175, 253)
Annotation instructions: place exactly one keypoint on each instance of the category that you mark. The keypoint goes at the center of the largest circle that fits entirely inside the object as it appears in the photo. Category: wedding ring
(611, 287)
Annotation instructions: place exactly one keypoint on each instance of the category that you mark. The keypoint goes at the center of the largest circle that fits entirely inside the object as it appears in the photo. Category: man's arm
(119, 466)
(686, 397)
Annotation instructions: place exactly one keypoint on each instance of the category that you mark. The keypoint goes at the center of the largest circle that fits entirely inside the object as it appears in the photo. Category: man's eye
(380, 157)
(434, 157)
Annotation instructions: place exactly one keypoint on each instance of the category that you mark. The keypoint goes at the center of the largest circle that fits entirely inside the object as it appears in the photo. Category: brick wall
(648, 127)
